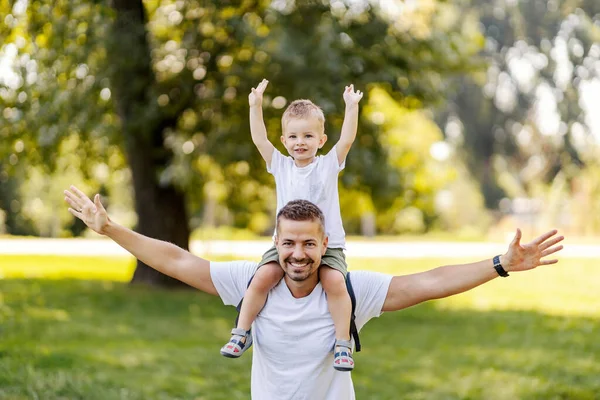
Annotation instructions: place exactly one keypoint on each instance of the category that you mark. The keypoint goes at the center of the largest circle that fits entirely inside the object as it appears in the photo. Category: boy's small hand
(255, 97)
(351, 97)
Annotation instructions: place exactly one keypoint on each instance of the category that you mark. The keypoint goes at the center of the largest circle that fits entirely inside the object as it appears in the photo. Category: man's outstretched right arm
(164, 257)
(408, 290)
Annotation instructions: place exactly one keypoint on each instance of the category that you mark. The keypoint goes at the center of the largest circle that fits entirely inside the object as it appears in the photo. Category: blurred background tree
(146, 103)
(526, 124)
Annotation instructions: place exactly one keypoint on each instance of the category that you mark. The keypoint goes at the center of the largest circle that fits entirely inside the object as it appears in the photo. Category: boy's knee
(267, 276)
(333, 281)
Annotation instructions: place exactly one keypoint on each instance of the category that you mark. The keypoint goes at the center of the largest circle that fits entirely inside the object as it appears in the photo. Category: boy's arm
(258, 129)
(350, 125)
(164, 257)
(405, 291)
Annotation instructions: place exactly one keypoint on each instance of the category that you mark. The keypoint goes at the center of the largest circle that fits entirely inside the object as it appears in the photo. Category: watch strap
(498, 267)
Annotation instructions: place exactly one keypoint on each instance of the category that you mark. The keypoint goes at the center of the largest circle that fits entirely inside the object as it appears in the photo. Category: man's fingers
(76, 213)
(79, 193)
(548, 262)
(550, 243)
(72, 200)
(551, 250)
(74, 204)
(545, 236)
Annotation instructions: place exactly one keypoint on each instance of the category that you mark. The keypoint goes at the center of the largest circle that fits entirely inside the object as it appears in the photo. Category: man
(296, 322)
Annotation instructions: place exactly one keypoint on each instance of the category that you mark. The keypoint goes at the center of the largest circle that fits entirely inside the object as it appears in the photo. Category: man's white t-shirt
(293, 338)
(317, 183)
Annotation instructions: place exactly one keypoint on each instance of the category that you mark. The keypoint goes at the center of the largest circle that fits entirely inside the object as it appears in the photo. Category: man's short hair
(303, 109)
(301, 210)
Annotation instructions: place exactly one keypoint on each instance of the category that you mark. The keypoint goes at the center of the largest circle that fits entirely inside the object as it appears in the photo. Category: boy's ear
(282, 137)
(322, 140)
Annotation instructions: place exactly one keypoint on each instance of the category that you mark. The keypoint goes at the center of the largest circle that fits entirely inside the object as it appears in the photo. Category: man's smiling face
(300, 244)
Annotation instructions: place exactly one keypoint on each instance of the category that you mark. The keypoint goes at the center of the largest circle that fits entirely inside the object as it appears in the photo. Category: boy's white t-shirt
(293, 338)
(317, 183)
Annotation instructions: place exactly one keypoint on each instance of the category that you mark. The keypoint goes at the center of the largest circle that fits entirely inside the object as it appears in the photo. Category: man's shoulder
(370, 290)
(363, 281)
(231, 279)
(366, 274)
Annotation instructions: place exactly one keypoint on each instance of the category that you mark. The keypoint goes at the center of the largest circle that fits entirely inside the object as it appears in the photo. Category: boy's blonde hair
(302, 109)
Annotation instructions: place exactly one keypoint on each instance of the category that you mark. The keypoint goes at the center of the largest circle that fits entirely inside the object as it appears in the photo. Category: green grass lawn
(531, 336)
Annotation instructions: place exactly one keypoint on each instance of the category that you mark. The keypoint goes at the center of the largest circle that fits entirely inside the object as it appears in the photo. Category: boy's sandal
(342, 358)
(236, 347)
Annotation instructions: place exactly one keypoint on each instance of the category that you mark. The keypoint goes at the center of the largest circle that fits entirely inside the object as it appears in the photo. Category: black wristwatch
(498, 267)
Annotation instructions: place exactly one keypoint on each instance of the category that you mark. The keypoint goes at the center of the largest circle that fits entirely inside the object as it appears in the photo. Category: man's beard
(309, 262)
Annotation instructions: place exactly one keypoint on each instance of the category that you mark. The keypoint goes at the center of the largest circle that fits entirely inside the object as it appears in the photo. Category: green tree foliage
(162, 87)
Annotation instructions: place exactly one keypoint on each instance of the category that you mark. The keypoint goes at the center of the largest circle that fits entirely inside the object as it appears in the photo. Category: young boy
(303, 176)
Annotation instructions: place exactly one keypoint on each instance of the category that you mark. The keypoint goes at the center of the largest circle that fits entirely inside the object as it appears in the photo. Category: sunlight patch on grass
(567, 288)
(60, 267)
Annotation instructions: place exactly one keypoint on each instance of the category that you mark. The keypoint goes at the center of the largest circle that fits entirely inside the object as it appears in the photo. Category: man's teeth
(298, 264)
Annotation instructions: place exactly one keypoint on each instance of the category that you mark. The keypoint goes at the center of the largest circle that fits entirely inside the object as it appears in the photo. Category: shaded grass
(533, 336)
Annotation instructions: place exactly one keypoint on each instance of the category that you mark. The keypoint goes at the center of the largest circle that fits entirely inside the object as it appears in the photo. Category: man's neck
(303, 288)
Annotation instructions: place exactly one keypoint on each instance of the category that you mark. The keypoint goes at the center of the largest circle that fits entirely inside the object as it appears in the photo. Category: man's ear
(325, 242)
(322, 140)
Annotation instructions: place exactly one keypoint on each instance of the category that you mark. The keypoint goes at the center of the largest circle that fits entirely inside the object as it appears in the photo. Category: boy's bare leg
(338, 300)
(264, 280)
(340, 308)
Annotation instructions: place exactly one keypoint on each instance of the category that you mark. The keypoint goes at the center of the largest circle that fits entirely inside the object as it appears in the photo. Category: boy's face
(302, 138)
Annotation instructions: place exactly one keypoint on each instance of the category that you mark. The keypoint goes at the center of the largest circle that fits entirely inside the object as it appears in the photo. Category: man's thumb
(517, 240)
(97, 203)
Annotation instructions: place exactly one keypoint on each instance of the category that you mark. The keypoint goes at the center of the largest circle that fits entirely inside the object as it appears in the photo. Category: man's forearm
(453, 279)
(160, 255)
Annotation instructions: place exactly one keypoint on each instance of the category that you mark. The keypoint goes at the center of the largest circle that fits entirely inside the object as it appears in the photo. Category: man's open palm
(91, 213)
(522, 257)
(255, 97)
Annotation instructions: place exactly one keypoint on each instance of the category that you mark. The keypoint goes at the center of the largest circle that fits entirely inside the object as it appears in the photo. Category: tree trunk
(160, 207)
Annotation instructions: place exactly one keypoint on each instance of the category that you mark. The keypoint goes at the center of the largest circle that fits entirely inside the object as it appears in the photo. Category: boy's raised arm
(257, 123)
(164, 257)
(350, 125)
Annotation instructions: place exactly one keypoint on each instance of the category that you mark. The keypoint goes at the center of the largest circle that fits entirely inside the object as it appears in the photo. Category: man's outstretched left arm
(164, 257)
(405, 291)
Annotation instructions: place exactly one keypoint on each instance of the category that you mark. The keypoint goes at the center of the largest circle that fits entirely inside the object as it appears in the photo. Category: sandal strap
(343, 343)
(239, 332)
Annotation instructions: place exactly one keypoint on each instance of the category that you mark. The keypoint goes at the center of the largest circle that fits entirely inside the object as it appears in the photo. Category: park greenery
(474, 112)
(467, 104)
(530, 337)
